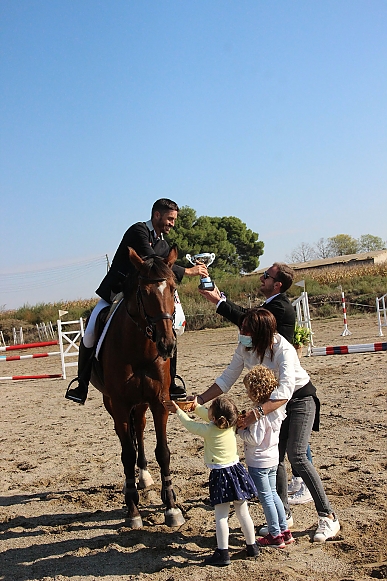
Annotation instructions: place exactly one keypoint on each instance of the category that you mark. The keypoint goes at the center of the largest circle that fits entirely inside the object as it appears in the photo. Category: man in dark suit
(147, 239)
(275, 281)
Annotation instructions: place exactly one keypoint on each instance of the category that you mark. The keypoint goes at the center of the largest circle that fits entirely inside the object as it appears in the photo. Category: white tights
(245, 520)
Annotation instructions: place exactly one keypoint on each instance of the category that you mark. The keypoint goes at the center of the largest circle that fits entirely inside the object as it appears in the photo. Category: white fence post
(17, 339)
(346, 331)
(381, 309)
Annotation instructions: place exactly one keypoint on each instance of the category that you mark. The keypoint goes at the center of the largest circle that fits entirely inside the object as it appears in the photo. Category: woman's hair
(224, 412)
(260, 382)
(262, 326)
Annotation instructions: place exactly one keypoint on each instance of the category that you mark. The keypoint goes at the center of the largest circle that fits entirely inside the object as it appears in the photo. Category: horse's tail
(132, 428)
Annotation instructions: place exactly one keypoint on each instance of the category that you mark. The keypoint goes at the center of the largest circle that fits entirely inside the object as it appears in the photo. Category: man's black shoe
(177, 391)
(77, 394)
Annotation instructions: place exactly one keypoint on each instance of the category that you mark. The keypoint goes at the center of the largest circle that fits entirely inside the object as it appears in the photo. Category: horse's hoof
(174, 517)
(134, 522)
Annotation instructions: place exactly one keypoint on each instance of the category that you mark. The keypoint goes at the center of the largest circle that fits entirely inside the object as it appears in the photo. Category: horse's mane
(153, 268)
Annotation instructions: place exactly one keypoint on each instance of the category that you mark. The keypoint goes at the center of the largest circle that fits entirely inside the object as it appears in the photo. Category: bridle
(150, 329)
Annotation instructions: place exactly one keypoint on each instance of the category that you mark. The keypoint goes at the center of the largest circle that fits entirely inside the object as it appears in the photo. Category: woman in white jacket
(259, 343)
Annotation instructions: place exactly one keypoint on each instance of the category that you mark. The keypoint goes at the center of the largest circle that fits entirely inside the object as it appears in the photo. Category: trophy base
(206, 285)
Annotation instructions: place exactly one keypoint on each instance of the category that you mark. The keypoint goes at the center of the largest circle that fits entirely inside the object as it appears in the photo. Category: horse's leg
(173, 515)
(145, 479)
(123, 428)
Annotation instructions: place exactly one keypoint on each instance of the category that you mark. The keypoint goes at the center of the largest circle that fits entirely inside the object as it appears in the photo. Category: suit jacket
(141, 239)
(280, 307)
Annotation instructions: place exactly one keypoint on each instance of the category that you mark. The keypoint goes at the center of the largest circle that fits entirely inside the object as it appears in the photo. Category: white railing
(381, 312)
(303, 315)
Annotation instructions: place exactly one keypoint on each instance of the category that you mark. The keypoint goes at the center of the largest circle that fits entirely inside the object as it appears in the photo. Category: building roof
(376, 256)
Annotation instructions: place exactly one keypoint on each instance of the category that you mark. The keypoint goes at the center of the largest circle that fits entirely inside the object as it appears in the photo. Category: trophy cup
(206, 258)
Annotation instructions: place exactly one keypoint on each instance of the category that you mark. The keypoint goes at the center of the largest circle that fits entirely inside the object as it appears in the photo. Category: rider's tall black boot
(85, 362)
(176, 391)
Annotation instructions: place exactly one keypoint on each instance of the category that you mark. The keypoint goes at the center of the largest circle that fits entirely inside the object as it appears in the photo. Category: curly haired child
(229, 481)
(262, 456)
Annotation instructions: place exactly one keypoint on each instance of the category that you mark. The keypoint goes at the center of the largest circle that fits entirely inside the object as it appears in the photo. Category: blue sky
(271, 111)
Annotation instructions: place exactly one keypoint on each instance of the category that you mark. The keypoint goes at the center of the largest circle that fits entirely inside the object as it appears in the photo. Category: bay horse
(133, 373)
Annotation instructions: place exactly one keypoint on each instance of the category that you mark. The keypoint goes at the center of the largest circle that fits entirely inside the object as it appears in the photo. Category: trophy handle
(189, 258)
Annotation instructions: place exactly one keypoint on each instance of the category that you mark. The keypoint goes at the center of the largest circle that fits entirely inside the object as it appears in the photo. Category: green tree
(236, 247)
(369, 243)
(343, 244)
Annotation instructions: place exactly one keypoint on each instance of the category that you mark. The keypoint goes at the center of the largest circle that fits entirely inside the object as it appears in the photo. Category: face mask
(246, 340)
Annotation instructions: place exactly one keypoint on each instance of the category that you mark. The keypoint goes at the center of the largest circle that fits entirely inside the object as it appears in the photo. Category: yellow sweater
(220, 446)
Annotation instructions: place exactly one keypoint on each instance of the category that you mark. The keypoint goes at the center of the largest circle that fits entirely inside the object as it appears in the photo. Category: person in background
(147, 239)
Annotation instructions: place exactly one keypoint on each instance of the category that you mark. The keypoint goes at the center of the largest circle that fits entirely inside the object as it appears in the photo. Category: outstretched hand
(170, 405)
(213, 296)
(198, 270)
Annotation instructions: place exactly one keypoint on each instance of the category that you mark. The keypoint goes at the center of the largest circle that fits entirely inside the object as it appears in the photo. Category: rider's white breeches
(89, 336)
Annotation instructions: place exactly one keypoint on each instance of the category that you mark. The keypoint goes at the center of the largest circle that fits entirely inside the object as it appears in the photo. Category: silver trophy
(206, 258)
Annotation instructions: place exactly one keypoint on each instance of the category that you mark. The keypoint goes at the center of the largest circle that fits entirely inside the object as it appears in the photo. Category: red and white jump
(68, 348)
(347, 349)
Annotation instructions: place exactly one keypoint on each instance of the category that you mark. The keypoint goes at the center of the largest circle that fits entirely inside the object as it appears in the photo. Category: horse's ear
(135, 259)
(172, 256)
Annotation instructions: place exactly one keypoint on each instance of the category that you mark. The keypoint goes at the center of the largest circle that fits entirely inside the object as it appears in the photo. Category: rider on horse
(147, 239)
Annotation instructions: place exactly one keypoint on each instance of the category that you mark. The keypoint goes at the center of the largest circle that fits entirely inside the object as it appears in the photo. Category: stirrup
(72, 395)
(178, 391)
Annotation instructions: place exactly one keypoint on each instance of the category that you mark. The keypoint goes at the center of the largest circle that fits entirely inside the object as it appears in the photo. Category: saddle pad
(106, 327)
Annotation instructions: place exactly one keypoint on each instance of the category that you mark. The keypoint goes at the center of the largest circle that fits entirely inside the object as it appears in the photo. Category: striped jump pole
(347, 349)
(21, 357)
(68, 348)
(28, 346)
(18, 377)
(346, 331)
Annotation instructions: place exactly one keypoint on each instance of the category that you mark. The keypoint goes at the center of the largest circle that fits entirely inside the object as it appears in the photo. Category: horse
(133, 373)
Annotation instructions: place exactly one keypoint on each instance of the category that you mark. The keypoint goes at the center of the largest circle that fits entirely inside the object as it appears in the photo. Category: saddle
(103, 318)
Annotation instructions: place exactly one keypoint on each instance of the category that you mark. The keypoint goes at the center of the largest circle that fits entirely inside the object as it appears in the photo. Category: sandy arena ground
(61, 509)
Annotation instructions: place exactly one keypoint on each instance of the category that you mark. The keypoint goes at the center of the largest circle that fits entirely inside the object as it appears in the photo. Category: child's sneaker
(327, 529)
(287, 537)
(302, 495)
(294, 485)
(264, 529)
(252, 550)
(220, 558)
(270, 541)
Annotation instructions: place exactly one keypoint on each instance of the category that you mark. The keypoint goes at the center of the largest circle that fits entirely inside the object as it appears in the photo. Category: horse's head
(155, 299)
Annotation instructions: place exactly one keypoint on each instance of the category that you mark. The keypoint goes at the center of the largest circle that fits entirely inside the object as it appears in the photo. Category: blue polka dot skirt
(231, 483)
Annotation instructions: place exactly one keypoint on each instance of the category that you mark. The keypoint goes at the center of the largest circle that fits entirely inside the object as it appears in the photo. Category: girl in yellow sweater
(229, 481)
